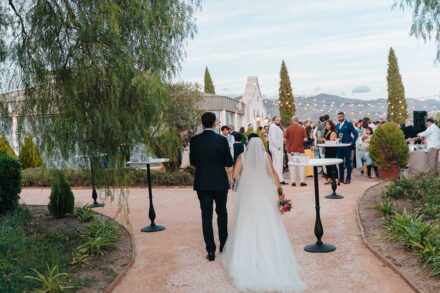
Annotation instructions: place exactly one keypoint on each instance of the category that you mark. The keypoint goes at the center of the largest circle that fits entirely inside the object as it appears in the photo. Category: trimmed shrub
(5, 147)
(29, 154)
(388, 146)
(10, 183)
(61, 197)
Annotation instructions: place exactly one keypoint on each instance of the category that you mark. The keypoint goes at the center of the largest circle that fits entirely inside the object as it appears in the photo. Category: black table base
(319, 246)
(152, 213)
(95, 204)
(334, 195)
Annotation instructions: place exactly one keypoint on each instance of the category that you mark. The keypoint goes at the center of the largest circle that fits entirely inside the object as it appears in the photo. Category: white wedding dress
(258, 254)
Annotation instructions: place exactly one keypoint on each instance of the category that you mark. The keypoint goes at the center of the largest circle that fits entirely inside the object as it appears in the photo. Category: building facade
(227, 110)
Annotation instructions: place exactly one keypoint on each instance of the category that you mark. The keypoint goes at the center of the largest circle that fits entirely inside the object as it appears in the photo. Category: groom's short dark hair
(208, 119)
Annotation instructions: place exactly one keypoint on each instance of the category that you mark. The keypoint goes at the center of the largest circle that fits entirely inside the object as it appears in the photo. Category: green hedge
(10, 187)
(40, 177)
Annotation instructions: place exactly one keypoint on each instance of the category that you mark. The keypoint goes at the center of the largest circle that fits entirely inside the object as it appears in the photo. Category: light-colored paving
(174, 260)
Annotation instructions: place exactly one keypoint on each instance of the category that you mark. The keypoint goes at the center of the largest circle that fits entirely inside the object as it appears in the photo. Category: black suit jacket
(209, 153)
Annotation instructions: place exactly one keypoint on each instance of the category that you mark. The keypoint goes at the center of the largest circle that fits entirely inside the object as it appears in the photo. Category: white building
(227, 110)
(255, 109)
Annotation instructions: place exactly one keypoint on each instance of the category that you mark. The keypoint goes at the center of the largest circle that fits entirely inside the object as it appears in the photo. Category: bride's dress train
(258, 254)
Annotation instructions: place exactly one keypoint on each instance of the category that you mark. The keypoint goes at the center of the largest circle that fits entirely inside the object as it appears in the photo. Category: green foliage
(426, 15)
(286, 99)
(51, 281)
(84, 213)
(61, 197)
(10, 183)
(29, 154)
(5, 147)
(4, 18)
(388, 146)
(26, 245)
(95, 71)
(41, 177)
(409, 229)
(180, 112)
(387, 206)
(423, 190)
(397, 107)
(209, 85)
(418, 231)
(100, 238)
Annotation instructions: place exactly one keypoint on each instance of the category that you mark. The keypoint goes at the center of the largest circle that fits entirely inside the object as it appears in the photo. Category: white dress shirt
(276, 137)
(432, 136)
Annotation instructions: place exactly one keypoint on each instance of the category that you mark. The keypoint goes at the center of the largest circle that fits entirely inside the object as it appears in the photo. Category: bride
(258, 254)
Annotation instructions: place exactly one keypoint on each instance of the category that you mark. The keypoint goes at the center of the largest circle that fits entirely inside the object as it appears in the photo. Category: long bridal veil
(258, 254)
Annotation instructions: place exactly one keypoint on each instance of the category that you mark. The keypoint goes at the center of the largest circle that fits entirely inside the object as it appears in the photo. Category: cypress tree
(286, 99)
(209, 85)
(5, 147)
(29, 154)
(397, 108)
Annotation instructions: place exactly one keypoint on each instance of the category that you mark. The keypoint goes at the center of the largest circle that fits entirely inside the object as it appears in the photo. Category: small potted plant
(388, 150)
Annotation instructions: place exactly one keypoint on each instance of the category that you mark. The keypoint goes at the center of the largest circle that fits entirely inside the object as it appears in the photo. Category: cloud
(361, 89)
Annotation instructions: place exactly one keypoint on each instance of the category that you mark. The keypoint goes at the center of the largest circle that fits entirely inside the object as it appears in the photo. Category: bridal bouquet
(285, 206)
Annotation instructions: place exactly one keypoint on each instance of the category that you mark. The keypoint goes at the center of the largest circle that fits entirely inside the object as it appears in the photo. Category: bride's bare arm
(274, 173)
(237, 168)
(275, 179)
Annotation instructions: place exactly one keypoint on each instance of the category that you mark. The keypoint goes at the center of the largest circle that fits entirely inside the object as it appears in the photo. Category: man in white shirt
(432, 138)
(276, 147)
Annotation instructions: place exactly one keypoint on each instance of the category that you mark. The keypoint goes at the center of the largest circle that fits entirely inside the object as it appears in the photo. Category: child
(364, 155)
(238, 145)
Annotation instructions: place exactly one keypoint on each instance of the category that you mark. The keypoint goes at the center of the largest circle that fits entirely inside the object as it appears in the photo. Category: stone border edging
(387, 262)
(117, 280)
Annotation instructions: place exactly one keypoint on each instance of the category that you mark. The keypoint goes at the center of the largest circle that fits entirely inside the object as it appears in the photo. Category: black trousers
(207, 198)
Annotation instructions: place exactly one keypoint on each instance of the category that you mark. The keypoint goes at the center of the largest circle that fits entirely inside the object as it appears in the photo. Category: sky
(330, 46)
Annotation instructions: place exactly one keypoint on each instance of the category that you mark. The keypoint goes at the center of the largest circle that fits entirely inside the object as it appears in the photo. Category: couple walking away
(257, 255)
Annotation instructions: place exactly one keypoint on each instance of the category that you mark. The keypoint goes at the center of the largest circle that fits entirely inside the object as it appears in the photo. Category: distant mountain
(316, 106)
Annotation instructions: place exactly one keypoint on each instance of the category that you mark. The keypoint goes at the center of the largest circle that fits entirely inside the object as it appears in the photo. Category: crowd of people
(302, 138)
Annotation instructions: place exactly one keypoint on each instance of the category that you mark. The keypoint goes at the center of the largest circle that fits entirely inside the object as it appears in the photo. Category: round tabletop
(149, 162)
(317, 162)
(329, 145)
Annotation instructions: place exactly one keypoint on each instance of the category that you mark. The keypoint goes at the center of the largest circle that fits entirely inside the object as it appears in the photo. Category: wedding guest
(331, 135)
(244, 136)
(309, 142)
(249, 130)
(432, 138)
(276, 147)
(227, 133)
(239, 146)
(408, 129)
(308, 151)
(295, 137)
(348, 134)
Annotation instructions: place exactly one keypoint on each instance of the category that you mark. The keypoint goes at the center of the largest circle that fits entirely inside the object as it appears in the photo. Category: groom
(210, 155)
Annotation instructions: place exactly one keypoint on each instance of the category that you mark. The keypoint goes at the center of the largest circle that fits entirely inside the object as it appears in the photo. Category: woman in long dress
(258, 254)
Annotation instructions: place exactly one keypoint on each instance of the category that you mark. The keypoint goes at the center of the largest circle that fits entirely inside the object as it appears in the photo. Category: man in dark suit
(349, 135)
(210, 155)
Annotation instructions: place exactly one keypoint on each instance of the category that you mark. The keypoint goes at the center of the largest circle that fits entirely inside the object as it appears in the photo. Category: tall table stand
(334, 195)
(151, 213)
(319, 246)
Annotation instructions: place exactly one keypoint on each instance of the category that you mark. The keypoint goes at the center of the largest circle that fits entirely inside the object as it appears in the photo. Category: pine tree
(397, 108)
(209, 85)
(286, 99)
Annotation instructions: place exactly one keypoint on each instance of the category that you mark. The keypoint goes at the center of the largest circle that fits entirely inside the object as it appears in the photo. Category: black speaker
(419, 120)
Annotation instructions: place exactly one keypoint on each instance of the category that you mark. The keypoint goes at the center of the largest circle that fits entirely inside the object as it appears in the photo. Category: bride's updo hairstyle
(252, 135)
